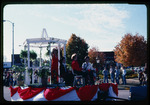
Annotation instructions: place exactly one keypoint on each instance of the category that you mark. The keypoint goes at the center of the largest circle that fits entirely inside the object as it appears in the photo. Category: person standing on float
(54, 66)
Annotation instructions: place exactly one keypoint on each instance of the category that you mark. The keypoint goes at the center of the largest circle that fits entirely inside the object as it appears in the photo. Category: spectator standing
(11, 79)
(15, 78)
(111, 74)
(145, 74)
(139, 71)
(4, 77)
(123, 75)
(140, 76)
(105, 74)
(7, 79)
(117, 72)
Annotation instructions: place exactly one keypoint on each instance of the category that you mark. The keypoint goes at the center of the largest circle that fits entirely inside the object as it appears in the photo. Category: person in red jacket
(54, 66)
(75, 65)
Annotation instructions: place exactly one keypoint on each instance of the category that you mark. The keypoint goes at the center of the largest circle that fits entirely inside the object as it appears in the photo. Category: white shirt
(123, 71)
(117, 72)
(111, 71)
(87, 66)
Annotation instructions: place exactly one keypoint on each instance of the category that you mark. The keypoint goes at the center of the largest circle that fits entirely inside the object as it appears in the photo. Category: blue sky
(101, 25)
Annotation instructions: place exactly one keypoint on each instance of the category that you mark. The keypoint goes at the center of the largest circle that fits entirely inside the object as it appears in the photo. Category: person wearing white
(123, 75)
(88, 70)
(105, 74)
(15, 78)
(111, 74)
(87, 66)
(117, 72)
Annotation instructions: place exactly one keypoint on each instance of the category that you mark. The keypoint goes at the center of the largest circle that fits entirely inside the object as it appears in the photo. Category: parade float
(67, 93)
(56, 92)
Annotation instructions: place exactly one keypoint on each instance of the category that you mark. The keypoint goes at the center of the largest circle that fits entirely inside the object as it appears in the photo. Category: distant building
(109, 56)
(17, 60)
(109, 59)
(6, 65)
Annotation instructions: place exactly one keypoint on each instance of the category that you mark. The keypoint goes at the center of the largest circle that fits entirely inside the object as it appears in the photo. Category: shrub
(129, 72)
(132, 76)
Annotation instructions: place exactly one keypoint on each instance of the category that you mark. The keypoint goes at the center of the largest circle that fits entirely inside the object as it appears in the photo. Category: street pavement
(123, 90)
(6, 93)
(124, 94)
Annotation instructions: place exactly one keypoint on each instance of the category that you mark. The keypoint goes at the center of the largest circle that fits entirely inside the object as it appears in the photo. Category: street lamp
(12, 39)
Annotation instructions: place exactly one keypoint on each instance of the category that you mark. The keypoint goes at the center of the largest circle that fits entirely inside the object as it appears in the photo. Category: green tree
(33, 55)
(23, 54)
(76, 45)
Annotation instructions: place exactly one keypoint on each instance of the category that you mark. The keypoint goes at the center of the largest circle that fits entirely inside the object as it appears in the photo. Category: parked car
(138, 93)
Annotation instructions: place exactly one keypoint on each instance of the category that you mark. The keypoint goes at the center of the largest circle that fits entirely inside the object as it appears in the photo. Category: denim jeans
(105, 79)
(112, 78)
(117, 79)
(124, 79)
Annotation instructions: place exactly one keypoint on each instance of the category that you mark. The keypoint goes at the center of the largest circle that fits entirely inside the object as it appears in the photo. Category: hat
(73, 55)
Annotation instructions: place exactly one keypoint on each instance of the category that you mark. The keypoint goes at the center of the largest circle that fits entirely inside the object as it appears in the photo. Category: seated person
(75, 65)
(65, 73)
(89, 71)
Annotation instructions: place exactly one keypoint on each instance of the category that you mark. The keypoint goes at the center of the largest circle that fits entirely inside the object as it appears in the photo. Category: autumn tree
(76, 45)
(131, 51)
(94, 54)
